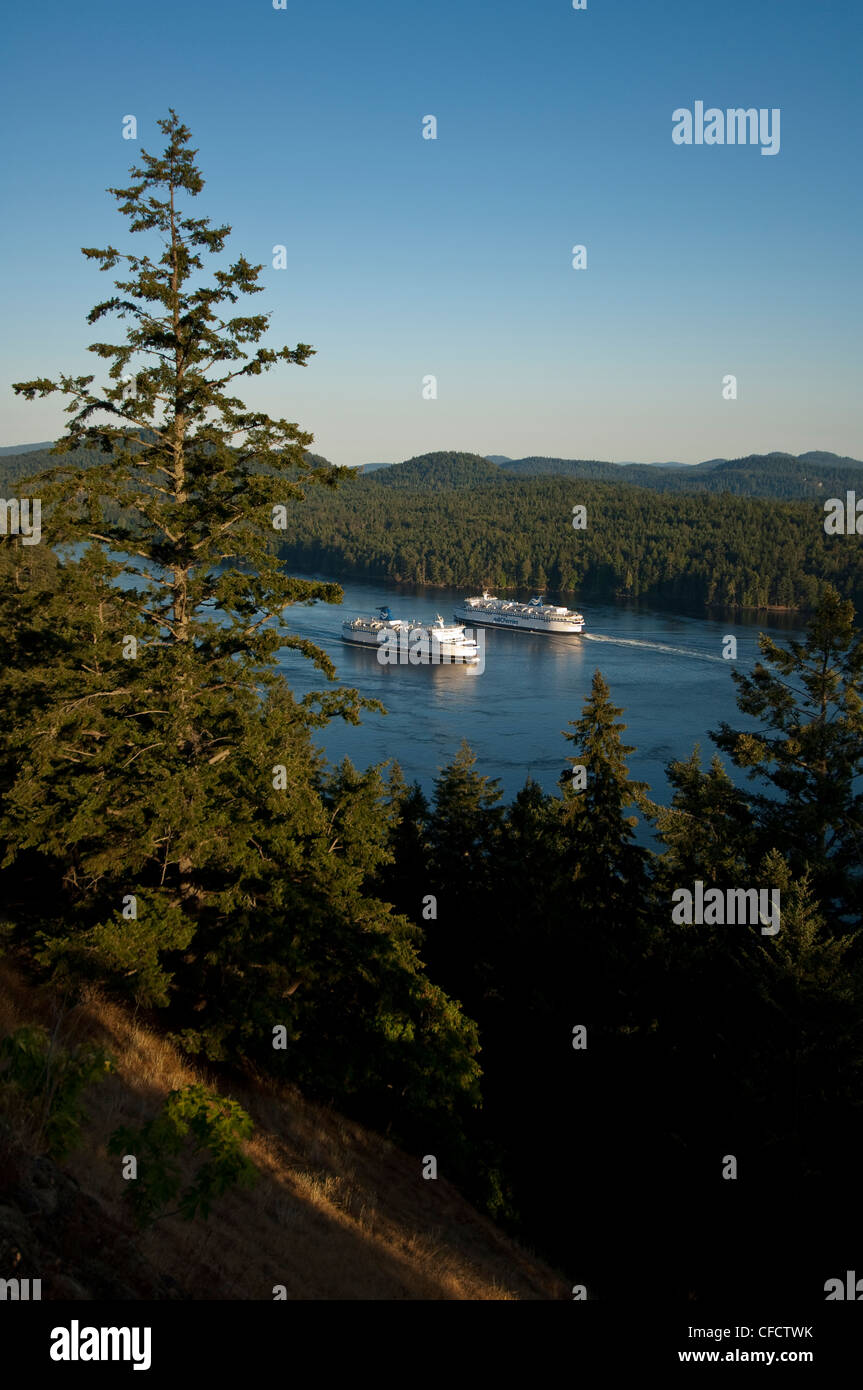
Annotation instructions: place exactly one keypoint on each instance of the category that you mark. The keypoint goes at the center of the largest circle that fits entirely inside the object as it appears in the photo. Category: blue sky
(410, 257)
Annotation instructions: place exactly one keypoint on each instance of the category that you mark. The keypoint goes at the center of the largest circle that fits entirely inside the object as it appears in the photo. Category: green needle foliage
(809, 750)
(707, 830)
(607, 868)
(169, 827)
(127, 768)
(464, 827)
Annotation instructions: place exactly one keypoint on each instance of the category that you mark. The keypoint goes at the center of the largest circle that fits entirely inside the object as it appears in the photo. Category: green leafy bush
(192, 1121)
(48, 1080)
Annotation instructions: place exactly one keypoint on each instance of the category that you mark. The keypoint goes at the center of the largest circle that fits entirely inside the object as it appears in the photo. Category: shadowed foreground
(337, 1212)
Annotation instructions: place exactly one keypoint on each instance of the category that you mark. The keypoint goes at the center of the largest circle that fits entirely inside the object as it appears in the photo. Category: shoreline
(582, 598)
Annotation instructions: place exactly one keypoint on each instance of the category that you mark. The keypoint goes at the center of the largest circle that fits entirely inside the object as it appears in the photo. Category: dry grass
(337, 1213)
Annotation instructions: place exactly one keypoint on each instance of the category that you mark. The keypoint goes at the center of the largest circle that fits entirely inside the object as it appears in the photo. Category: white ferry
(535, 616)
(431, 643)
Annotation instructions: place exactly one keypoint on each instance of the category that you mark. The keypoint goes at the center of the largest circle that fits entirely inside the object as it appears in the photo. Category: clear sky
(453, 257)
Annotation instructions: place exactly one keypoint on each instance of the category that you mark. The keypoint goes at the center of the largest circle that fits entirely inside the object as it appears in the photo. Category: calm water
(665, 669)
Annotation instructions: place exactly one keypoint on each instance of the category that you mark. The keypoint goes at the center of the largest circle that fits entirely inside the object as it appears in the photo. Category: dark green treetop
(177, 832)
(808, 697)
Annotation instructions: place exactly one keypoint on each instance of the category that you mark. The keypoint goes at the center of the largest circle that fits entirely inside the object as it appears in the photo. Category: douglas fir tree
(188, 844)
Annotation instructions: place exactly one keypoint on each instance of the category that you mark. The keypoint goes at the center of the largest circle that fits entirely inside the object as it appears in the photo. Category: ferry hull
(480, 619)
(428, 651)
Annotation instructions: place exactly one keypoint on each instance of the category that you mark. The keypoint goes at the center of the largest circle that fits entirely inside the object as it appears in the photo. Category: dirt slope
(337, 1213)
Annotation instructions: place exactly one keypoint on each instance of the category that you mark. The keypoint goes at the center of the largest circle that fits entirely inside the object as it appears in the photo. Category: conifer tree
(525, 877)
(583, 967)
(465, 822)
(175, 518)
(464, 826)
(707, 829)
(810, 1076)
(599, 929)
(404, 882)
(198, 853)
(808, 696)
(467, 813)
(605, 865)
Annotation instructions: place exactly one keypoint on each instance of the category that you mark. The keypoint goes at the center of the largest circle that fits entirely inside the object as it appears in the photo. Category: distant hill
(438, 471)
(816, 474)
(14, 467)
(778, 475)
(33, 459)
(25, 448)
(826, 460)
(455, 518)
(775, 475)
(539, 466)
(746, 534)
(819, 457)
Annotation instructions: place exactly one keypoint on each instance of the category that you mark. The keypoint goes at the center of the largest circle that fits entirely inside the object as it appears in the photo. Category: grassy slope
(337, 1213)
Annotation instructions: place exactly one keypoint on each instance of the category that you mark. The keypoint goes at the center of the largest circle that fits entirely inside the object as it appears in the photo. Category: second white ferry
(415, 642)
(535, 616)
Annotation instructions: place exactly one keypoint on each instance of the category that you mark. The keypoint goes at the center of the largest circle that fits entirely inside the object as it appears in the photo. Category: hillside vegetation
(783, 476)
(337, 1212)
(452, 519)
(746, 533)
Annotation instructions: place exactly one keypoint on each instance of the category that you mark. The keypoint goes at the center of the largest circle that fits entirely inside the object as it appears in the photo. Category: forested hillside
(758, 475)
(812, 475)
(15, 468)
(460, 520)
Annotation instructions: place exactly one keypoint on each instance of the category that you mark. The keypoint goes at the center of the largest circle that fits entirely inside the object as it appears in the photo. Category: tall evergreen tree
(605, 865)
(464, 826)
(598, 973)
(168, 781)
(808, 696)
(404, 881)
(525, 873)
(176, 516)
(707, 829)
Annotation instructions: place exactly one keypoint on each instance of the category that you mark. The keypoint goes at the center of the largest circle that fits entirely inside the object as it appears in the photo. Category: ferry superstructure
(534, 616)
(415, 641)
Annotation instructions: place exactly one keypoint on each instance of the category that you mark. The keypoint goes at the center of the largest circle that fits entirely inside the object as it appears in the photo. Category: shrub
(192, 1121)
